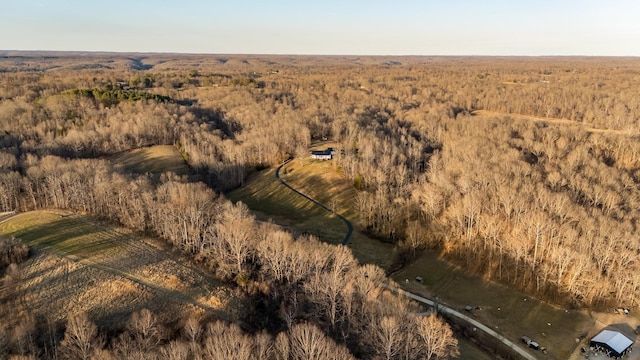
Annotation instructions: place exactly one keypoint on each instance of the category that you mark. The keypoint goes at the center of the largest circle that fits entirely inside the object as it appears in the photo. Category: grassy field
(154, 159)
(512, 313)
(270, 200)
(81, 264)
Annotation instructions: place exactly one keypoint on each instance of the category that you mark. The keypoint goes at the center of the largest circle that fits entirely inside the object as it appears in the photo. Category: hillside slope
(270, 200)
(156, 159)
(81, 264)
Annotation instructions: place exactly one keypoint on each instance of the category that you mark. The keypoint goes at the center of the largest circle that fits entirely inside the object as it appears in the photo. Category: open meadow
(157, 159)
(81, 264)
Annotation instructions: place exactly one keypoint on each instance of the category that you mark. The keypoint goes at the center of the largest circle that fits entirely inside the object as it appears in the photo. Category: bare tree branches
(81, 338)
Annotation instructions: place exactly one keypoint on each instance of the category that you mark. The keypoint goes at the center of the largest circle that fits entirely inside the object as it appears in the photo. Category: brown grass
(323, 182)
(81, 264)
(154, 159)
(511, 312)
(270, 200)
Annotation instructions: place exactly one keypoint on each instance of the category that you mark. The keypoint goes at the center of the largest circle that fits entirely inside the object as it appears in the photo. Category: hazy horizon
(98, 52)
(372, 28)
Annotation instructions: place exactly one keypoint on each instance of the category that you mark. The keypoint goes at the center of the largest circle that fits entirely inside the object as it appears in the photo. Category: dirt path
(553, 121)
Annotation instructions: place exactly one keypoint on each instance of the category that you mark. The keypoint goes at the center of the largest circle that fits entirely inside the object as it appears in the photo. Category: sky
(328, 27)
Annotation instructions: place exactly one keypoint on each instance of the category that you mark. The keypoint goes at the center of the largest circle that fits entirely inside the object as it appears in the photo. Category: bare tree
(389, 336)
(147, 333)
(264, 346)
(282, 348)
(81, 338)
(308, 342)
(175, 350)
(234, 233)
(192, 330)
(437, 337)
(224, 341)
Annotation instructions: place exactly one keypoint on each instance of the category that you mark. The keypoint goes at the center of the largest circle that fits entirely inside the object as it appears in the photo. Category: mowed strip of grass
(154, 159)
(63, 234)
(82, 263)
(323, 181)
(270, 200)
(511, 312)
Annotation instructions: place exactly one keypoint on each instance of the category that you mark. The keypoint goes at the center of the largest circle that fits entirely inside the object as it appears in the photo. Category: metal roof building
(613, 342)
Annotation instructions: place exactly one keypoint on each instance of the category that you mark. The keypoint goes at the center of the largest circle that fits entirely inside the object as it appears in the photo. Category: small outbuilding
(614, 343)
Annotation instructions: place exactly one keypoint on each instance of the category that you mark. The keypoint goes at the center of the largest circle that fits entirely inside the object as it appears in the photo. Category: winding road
(317, 203)
(523, 353)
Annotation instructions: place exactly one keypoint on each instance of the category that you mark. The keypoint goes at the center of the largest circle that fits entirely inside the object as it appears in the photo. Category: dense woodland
(550, 208)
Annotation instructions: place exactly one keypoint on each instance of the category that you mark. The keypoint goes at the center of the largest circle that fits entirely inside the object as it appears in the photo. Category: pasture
(81, 264)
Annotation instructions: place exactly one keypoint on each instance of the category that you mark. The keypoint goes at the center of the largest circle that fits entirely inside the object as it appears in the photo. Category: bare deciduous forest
(524, 170)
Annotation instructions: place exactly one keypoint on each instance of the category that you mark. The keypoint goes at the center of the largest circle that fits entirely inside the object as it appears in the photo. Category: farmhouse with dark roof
(326, 154)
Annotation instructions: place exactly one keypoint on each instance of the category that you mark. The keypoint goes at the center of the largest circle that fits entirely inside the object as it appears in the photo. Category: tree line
(145, 337)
